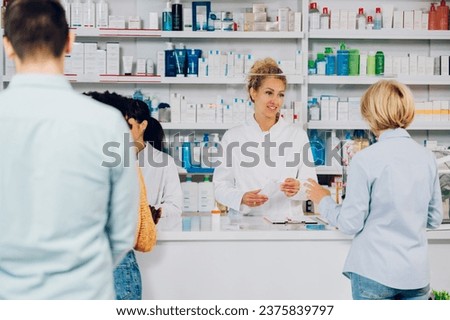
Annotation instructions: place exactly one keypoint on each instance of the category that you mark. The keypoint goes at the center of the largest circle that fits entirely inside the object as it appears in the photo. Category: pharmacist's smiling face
(269, 97)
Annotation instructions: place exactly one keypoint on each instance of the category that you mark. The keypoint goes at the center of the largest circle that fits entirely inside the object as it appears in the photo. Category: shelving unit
(279, 45)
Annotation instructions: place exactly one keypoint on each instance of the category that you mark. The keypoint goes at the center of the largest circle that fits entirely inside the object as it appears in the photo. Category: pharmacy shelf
(338, 125)
(150, 33)
(233, 34)
(367, 80)
(396, 34)
(86, 78)
(361, 125)
(197, 126)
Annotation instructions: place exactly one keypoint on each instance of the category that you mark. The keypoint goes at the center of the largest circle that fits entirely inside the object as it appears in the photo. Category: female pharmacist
(264, 160)
(160, 173)
(393, 195)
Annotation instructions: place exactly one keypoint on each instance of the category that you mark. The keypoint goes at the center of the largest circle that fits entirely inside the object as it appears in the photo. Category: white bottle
(325, 19)
(206, 199)
(89, 14)
(190, 195)
(102, 14)
(361, 20)
(215, 218)
(314, 16)
(378, 22)
(76, 14)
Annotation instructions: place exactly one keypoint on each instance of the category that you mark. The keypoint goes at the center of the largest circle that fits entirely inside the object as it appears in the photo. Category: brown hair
(388, 104)
(260, 71)
(36, 27)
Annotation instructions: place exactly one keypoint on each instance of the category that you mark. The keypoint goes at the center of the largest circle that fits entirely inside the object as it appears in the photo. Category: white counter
(258, 260)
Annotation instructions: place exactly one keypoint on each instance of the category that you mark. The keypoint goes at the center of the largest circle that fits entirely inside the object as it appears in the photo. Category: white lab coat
(161, 180)
(254, 164)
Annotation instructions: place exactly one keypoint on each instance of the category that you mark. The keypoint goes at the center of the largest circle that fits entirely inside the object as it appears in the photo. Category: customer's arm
(435, 206)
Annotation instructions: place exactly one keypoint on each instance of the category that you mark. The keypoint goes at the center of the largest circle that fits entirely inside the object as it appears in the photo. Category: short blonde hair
(260, 71)
(388, 104)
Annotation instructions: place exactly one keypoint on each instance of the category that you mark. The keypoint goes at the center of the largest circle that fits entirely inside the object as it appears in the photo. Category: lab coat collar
(276, 127)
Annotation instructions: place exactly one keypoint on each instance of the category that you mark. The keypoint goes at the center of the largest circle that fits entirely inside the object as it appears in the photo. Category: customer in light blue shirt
(68, 199)
(393, 196)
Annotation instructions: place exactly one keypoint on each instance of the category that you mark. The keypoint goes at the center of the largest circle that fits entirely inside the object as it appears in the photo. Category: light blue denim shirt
(65, 218)
(393, 195)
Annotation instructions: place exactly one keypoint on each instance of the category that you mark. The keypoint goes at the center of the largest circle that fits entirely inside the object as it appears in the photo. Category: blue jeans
(366, 289)
(127, 279)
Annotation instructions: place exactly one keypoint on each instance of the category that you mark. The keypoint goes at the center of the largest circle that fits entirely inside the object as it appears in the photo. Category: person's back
(67, 204)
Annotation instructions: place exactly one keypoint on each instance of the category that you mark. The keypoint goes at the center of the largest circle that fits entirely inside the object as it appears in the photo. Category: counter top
(199, 228)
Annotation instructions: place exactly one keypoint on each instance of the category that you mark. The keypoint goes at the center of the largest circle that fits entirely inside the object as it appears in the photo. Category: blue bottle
(186, 154)
(137, 95)
(167, 17)
(317, 148)
(330, 59)
(343, 56)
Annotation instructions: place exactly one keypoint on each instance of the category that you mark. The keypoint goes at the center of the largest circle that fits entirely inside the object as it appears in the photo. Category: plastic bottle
(186, 153)
(177, 16)
(359, 141)
(371, 63)
(89, 14)
(330, 59)
(317, 148)
(442, 16)
(325, 19)
(312, 67)
(342, 61)
(76, 14)
(206, 195)
(190, 195)
(102, 14)
(353, 62)
(167, 17)
(379, 63)
(215, 218)
(361, 19)
(205, 161)
(433, 18)
(369, 25)
(138, 95)
(321, 64)
(314, 16)
(314, 110)
(378, 22)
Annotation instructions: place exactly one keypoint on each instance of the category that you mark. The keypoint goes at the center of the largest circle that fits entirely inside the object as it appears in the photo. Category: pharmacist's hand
(254, 198)
(315, 192)
(290, 187)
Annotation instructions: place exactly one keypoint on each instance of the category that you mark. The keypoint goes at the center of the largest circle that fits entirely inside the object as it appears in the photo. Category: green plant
(441, 295)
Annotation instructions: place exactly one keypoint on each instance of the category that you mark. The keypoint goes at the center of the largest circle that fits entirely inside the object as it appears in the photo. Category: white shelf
(397, 34)
(117, 33)
(361, 125)
(232, 34)
(342, 125)
(292, 79)
(150, 33)
(197, 126)
(367, 80)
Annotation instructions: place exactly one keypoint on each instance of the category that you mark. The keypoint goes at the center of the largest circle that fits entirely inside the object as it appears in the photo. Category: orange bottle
(433, 18)
(442, 13)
